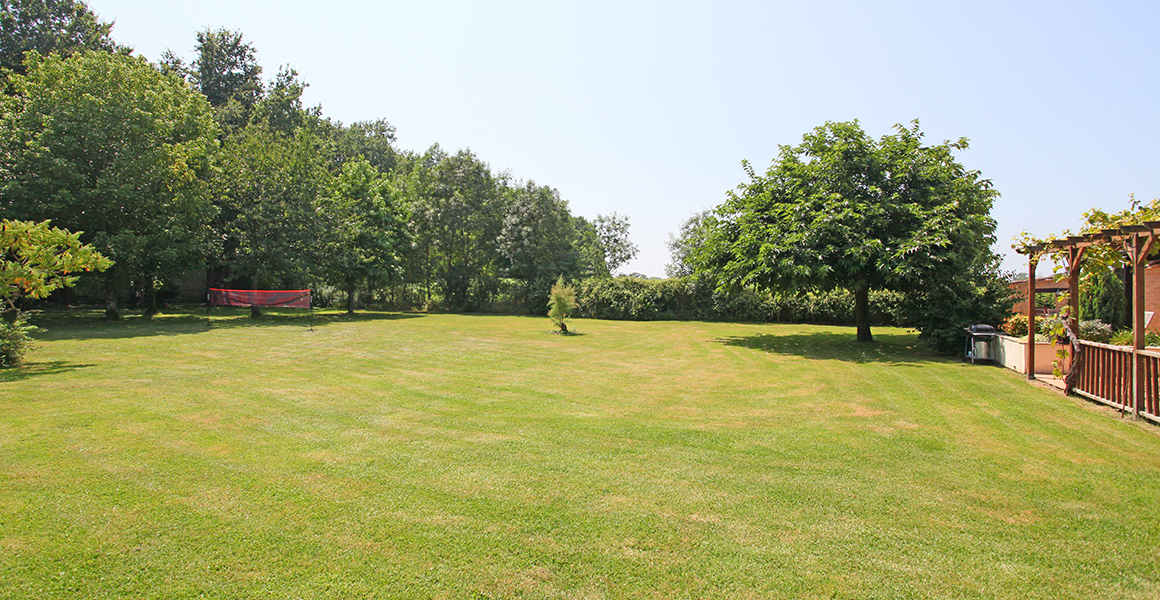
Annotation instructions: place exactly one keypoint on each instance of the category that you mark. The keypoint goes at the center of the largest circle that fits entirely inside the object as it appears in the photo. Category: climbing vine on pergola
(1125, 244)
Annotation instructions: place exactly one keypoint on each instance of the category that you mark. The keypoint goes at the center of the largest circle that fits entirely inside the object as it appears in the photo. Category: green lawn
(450, 456)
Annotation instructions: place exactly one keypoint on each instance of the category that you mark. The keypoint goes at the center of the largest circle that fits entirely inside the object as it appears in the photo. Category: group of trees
(176, 166)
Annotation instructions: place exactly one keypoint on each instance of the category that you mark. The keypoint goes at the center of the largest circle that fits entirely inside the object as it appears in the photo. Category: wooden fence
(1106, 376)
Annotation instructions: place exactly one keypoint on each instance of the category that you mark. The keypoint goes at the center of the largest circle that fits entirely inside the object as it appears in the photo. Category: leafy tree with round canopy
(536, 241)
(842, 210)
(107, 144)
(226, 70)
(364, 230)
(46, 26)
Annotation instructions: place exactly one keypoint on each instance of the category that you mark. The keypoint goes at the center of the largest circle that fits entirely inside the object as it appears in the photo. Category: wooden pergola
(1134, 242)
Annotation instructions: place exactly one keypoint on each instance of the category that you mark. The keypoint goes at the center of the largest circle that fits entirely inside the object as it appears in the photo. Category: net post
(207, 305)
(310, 301)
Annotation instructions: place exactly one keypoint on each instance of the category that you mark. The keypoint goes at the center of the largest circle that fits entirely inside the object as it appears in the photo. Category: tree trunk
(255, 311)
(862, 313)
(151, 307)
(111, 311)
(350, 299)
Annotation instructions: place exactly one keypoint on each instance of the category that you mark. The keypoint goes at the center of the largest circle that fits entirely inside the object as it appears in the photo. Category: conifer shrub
(15, 341)
(561, 304)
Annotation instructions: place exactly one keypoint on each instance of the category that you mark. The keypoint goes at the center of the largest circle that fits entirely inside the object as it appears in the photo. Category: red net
(286, 298)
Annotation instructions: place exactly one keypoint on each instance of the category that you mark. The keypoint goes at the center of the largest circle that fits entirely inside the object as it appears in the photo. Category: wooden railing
(1106, 376)
(1150, 401)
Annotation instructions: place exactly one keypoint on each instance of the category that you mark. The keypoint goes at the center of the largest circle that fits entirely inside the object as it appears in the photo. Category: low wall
(1011, 352)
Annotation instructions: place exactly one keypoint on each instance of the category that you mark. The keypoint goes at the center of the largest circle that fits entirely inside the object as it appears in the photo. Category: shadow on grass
(91, 324)
(39, 369)
(893, 349)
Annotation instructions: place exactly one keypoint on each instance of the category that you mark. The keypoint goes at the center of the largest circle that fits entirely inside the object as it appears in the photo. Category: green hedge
(693, 298)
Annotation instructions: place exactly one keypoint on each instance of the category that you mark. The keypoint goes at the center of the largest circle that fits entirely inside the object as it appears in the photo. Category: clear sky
(648, 108)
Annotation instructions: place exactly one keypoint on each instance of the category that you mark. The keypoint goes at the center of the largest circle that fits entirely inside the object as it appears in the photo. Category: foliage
(372, 141)
(226, 71)
(684, 243)
(561, 304)
(589, 250)
(612, 230)
(364, 230)
(844, 210)
(1095, 330)
(537, 240)
(1049, 326)
(1098, 259)
(107, 144)
(281, 110)
(36, 259)
(15, 341)
(696, 298)
(1047, 300)
(1016, 325)
(942, 311)
(459, 214)
(1124, 337)
(47, 26)
(1103, 298)
(269, 186)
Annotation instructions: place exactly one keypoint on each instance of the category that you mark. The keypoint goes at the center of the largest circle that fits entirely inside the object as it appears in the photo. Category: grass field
(450, 456)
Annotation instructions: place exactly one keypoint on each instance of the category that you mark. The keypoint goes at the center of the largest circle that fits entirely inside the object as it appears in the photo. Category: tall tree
(537, 240)
(462, 215)
(684, 244)
(106, 144)
(364, 230)
(47, 26)
(589, 249)
(844, 210)
(613, 233)
(226, 70)
(373, 141)
(269, 186)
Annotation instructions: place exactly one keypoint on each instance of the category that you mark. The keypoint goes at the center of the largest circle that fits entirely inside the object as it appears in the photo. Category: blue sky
(648, 108)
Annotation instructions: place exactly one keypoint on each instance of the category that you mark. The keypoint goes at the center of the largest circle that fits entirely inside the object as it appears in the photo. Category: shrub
(15, 342)
(1016, 325)
(561, 303)
(1123, 337)
(1048, 326)
(1095, 330)
(696, 298)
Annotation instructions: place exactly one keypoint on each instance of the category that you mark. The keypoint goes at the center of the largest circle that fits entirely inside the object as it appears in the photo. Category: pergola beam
(1136, 242)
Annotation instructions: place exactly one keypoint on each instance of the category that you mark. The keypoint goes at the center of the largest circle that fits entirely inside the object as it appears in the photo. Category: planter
(1011, 352)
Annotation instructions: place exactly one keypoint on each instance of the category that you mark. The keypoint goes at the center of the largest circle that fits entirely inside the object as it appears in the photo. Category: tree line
(200, 163)
(181, 165)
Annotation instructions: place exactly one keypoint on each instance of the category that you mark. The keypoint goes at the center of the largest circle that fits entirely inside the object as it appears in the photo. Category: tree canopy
(842, 209)
(173, 167)
(107, 144)
(46, 26)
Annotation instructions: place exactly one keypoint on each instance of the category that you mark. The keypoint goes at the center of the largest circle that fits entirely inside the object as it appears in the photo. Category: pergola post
(1141, 246)
(1074, 264)
(1029, 353)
